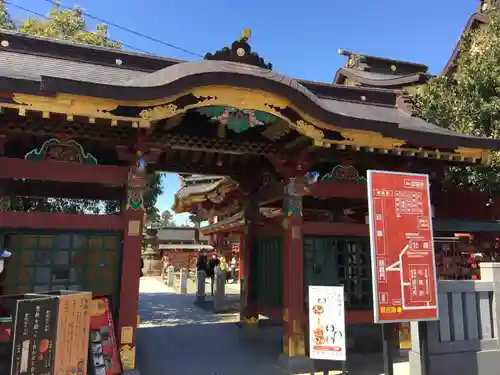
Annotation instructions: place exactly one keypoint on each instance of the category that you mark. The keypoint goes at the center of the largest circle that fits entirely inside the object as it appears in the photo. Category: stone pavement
(177, 338)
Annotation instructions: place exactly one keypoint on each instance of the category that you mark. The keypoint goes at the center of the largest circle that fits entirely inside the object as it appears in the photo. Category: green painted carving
(61, 150)
(237, 120)
(292, 206)
(343, 173)
(135, 200)
(137, 184)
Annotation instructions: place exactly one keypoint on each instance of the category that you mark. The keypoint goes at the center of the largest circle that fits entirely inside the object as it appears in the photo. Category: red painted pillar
(131, 263)
(293, 273)
(249, 313)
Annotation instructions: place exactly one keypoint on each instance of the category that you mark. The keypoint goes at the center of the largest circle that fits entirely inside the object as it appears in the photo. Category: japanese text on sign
(403, 267)
(327, 323)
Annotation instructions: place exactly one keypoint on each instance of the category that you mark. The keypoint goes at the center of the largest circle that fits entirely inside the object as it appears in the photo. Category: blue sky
(300, 38)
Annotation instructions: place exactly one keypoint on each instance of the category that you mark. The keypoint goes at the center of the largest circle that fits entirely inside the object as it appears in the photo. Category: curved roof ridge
(378, 79)
(476, 20)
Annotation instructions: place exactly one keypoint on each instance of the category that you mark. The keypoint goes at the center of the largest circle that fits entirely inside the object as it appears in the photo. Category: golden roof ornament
(241, 52)
(246, 34)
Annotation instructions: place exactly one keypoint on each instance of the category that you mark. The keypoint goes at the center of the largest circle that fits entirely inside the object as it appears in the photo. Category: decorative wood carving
(241, 52)
(61, 150)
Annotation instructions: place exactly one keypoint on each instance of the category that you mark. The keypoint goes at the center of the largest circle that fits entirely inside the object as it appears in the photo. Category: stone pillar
(133, 215)
(171, 276)
(200, 286)
(293, 356)
(220, 290)
(183, 281)
(152, 256)
(465, 339)
(249, 315)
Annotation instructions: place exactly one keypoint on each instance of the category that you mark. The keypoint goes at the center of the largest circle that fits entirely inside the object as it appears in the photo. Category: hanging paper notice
(327, 323)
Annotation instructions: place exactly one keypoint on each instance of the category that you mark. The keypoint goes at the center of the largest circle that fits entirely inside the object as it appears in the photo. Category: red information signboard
(402, 248)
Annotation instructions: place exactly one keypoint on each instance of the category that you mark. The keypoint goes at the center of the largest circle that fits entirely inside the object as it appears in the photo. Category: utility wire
(47, 18)
(57, 3)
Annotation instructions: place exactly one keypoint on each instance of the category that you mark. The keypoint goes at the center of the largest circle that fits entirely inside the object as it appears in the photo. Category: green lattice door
(43, 261)
(339, 261)
(267, 263)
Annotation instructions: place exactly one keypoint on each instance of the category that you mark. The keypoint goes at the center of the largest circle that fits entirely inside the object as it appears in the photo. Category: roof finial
(246, 34)
(344, 52)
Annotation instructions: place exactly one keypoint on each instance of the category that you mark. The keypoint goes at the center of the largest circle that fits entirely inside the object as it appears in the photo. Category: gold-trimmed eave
(184, 204)
(232, 223)
(235, 222)
(71, 106)
(356, 140)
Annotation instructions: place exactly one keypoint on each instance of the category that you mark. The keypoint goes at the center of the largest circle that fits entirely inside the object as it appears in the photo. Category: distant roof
(199, 185)
(474, 22)
(179, 234)
(373, 71)
(185, 247)
(385, 80)
(200, 177)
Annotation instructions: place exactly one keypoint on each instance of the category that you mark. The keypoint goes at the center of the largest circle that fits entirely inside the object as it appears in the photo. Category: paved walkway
(178, 338)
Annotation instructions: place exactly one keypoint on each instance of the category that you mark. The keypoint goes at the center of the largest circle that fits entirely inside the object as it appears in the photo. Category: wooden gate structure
(84, 122)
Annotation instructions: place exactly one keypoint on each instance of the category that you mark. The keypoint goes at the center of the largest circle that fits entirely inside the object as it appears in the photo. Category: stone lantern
(151, 254)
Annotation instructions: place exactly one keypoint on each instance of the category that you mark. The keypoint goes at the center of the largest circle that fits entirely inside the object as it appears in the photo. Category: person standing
(212, 264)
(201, 261)
(223, 267)
(234, 264)
(164, 265)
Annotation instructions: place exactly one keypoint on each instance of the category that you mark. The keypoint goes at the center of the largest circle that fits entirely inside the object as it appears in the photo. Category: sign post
(402, 249)
(327, 323)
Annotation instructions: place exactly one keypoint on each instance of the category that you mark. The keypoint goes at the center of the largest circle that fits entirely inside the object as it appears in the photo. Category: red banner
(403, 264)
(105, 359)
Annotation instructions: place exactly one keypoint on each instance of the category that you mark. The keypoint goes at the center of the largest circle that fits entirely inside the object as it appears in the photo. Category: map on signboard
(403, 266)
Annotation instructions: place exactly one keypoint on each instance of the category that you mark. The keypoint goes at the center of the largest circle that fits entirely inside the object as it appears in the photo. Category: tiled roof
(178, 234)
(41, 65)
(377, 79)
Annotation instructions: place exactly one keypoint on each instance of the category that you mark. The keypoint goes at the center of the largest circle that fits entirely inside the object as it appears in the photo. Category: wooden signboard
(72, 340)
(34, 334)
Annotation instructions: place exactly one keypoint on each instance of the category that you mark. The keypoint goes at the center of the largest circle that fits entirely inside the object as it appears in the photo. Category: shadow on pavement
(170, 309)
(178, 338)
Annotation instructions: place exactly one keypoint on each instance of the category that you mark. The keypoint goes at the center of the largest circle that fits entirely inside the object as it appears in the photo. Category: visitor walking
(223, 268)
(234, 264)
(210, 270)
(201, 261)
(164, 266)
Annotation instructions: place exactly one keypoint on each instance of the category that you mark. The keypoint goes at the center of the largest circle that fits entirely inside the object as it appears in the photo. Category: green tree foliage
(468, 100)
(67, 24)
(151, 197)
(167, 219)
(70, 25)
(5, 20)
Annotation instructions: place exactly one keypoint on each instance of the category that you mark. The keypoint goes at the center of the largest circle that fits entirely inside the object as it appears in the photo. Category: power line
(58, 4)
(47, 18)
